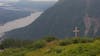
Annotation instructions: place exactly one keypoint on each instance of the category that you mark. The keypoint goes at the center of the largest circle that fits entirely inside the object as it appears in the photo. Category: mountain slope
(61, 19)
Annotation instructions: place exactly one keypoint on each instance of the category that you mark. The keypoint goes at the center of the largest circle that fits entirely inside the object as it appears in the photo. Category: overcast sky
(4, 2)
(24, 0)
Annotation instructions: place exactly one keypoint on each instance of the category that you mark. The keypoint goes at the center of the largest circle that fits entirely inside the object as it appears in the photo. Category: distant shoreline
(19, 23)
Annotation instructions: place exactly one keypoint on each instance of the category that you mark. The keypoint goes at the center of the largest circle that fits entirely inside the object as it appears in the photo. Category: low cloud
(1, 4)
(24, 0)
(43, 0)
(9, 0)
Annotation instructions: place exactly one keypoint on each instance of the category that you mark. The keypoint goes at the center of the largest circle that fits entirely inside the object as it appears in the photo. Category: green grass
(57, 47)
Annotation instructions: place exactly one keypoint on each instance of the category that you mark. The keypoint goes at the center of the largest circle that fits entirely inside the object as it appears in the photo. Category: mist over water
(19, 23)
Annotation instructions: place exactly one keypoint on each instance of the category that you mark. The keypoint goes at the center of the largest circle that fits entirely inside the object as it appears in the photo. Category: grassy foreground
(51, 46)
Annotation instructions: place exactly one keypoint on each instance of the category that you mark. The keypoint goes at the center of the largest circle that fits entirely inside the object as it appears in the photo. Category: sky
(4, 2)
(24, 0)
(9, 0)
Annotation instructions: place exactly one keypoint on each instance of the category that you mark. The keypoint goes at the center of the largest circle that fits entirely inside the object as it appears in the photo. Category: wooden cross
(76, 31)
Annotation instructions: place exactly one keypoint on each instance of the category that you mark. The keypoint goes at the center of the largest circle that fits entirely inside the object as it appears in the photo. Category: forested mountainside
(61, 19)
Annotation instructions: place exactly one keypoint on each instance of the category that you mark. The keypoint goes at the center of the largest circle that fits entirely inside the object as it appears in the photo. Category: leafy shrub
(82, 49)
(58, 50)
(14, 43)
(7, 43)
(65, 42)
(69, 41)
(38, 44)
(13, 52)
(49, 39)
(82, 40)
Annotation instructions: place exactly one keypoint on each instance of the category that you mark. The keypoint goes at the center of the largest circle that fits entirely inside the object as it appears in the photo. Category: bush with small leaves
(65, 42)
(75, 40)
(14, 43)
(49, 39)
(58, 50)
(82, 40)
(38, 44)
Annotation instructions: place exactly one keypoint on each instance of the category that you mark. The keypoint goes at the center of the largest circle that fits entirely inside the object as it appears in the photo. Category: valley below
(22, 22)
